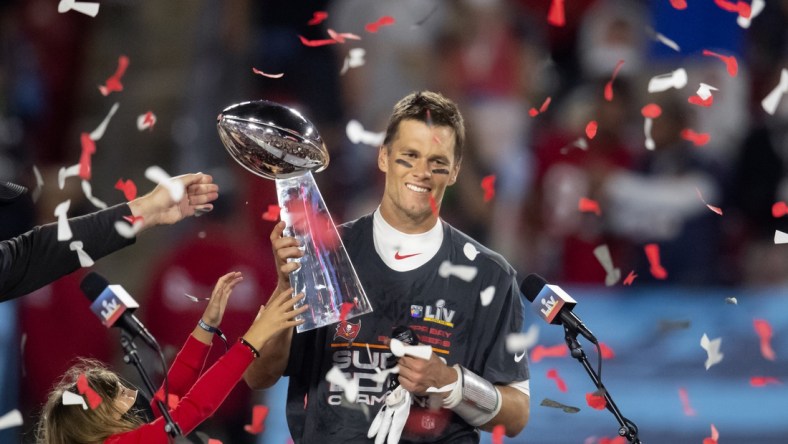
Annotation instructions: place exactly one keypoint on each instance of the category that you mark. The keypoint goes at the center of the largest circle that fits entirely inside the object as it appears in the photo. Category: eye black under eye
(440, 171)
(404, 163)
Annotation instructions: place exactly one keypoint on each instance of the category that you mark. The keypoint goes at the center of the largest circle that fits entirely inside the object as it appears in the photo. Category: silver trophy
(277, 142)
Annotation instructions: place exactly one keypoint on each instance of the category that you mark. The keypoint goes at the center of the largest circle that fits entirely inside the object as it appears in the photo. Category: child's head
(61, 424)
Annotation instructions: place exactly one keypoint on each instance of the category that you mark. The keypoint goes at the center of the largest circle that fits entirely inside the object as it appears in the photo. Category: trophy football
(276, 142)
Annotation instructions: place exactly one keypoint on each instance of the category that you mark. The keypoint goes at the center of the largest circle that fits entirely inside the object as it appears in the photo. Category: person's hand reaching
(277, 315)
(158, 207)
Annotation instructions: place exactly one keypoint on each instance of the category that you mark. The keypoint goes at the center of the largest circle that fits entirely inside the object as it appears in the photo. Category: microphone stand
(131, 357)
(628, 429)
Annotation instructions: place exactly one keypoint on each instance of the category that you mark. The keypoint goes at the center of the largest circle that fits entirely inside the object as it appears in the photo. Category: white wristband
(473, 399)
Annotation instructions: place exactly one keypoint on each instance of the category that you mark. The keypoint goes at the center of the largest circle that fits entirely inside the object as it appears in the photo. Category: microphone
(114, 307)
(406, 336)
(553, 304)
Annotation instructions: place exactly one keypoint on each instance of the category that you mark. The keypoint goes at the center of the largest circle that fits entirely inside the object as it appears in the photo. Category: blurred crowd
(528, 90)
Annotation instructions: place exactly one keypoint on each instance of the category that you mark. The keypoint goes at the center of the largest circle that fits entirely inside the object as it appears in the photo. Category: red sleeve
(199, 403)
(184, 371)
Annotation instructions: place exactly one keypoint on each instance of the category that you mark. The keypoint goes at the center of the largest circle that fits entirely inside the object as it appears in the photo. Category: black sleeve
(36, 258)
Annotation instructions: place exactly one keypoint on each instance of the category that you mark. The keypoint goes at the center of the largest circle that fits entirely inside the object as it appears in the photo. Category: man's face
(419, 165)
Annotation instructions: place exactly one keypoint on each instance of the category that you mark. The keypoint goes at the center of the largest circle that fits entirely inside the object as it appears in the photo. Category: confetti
(315, 43)
(717, 210)
(373, 27)
(426, 17)
(539, 352)
(195, 298)
(464, 272)
(779, 209)
(317, 18)
(764, 331)
(652, 253)
(98, 133)
(685, 402)
(731, 301)
(341, 36)
(730, 62)
(596, 400)
(88, 149)
(39, 185)
(87, 8)
(350, 387)
(88, 190)
(357, 134)
(470, 251)
(602, 254)
(64, 173)
(556, 15)
(520, 342)
(94, 400)
(555, 404)
(630, 278)
(663, 82)
(666, 326)
(780, 237)
(755, 9)
(679, 4)
(712, 348)
(433, 206)
(579, 143)
(740, 7)
(488, 185)
(667, 42)
(259, 413)
(498, 432)
(113, 83)
(609, 84)
(63, 228)
(606, 351)
(128, 188)
(400, 349)
(591, 130)
(553, 374)
(159, 176)
(703, 96)
(761, 381)
(772, 100)
(84, 259)
(146, 121)
(354, 59)
(650, 112)
(345, 310)
(695, 100)
(533, 112)
(128, 230)
(11, 419)
(272, 214)
(587, 205)
(715, 435)
(70, 398)
(487, 295)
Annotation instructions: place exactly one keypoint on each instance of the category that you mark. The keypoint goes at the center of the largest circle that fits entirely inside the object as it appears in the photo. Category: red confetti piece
(498, 433)
(214, 441)
(616, 440)
(717, 210)
(761, 381)
(259, 412)
(488, 185)
(272, 214)
(651, 111)
(539, 352)
(128, 188)
(345, 310)
(715, 435)
(172, 401)
(730, 62)
(685, 402)
(88, 149)
(317, 18)
(587, 205)
(556, 15)
(113, 83)
(270, 76)
(383, 21)
(740, 7)
(607, 352)
(341, 36)
(314, 43)
(630, 278)
(652, 252)
(679, 4)
(697, 139)
(433, 205)
(94, 399)
(591, 129)
(533, 112)
(609, 84)
(779, 209)
(697, 100)
(133, 219)
(596, 401)
(764, 332)
(553, 374)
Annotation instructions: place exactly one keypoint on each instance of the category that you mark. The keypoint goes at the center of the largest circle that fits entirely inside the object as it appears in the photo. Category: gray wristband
(480, 401)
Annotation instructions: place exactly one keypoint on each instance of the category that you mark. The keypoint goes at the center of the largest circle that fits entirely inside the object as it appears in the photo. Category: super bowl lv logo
(439, 314)
(347, 330)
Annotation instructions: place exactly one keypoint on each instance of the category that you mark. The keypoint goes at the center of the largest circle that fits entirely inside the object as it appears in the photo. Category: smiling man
(402, 253)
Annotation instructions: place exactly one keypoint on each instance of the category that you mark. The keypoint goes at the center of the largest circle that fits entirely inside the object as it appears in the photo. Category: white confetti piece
(780, 237)
(647, 124)
(602, 254)
(464, 272)
(195, 298)
(668, 42)
(444, 389)
(487, 295)
(732, 301)
(158, 175)
(84, 259)
(382, 375)
(63, 228)
(400, 349)
(354, 59)
(98, 133)
(87, 8)
(704, 91)
(127, 230)
(663, 82)
(39, 184)
(146, 121)
(70, 398)
(336, 377)
(712, 348)
(88, 190)
(357, 134)
(756, 7)
(64, 173)
(470, 251)
(772, 100)
(11, 419)
(521, 342)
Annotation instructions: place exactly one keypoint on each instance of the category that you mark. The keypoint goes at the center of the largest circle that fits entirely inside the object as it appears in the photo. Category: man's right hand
(284, 247)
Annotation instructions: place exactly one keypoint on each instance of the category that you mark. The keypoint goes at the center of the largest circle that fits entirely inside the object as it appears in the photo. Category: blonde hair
(71, 424)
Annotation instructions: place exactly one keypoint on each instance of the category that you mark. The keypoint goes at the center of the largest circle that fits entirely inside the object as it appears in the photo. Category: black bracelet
(214, 330)
(250, 346)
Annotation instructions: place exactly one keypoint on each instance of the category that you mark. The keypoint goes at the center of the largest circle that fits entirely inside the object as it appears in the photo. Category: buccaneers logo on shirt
(347, 330)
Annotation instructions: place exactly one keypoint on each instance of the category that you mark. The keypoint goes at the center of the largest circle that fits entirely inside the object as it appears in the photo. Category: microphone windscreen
(405, 335)
(532, 285)
(93, 284)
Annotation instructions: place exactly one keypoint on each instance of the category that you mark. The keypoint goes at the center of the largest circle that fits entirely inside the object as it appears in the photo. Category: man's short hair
(431, 108)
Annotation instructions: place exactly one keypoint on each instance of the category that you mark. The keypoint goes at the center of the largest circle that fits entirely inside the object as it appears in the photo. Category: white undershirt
(402, 251)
